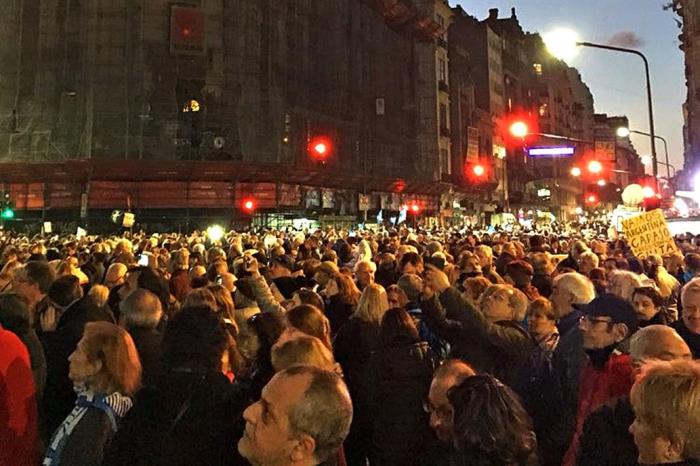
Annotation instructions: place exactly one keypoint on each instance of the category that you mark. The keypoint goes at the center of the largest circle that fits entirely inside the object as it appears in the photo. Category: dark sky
(616, 80)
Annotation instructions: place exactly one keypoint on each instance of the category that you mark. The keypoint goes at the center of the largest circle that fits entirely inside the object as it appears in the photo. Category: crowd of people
(391, 348)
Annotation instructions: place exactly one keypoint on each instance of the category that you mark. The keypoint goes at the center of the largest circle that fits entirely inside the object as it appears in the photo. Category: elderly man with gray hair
(606, 439)
(140, 314)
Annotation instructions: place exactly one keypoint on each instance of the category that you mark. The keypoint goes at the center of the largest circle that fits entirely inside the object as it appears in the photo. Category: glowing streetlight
(519, 129)
(562, 43)
(601, 183)
(623, 132)
(576, 171)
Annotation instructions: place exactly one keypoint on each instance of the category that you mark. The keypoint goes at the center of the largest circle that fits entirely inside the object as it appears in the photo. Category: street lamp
(625, 132)
(563, 44)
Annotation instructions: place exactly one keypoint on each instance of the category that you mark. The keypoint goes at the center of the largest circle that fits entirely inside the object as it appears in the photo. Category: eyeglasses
(588, 320)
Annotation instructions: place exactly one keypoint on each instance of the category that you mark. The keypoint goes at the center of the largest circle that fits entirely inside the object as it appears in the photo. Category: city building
(252, 90)
(689, 13)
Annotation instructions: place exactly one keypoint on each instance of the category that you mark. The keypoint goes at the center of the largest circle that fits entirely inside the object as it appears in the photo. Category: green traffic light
(8, 213)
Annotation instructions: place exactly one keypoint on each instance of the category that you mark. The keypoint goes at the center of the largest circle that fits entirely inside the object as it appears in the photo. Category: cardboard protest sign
(648, 233)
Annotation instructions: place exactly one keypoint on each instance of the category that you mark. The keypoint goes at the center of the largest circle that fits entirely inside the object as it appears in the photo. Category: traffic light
(320, 148)
(7, 211)
(248, 205)
(591, 198)
(414, 208)
(595, 167)
(479, 170)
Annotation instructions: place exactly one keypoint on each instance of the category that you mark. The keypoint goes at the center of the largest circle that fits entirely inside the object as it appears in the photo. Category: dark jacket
(496, 348)
(188, 419)
(401, 380)
(338, 313)
(353, 348)
(606, 440)
(386, 276)
(59, 397)
(567, 363)
(147, 342)
(569, 263)
(692, 339)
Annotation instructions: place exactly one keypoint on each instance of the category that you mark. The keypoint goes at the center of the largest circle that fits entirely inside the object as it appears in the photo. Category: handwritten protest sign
(648, 233)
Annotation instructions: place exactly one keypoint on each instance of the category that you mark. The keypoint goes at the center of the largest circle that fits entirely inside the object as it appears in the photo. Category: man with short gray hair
(302, 419)
(140, 314)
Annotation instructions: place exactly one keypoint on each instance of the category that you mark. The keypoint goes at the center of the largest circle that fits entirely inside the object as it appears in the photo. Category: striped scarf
(115, 406)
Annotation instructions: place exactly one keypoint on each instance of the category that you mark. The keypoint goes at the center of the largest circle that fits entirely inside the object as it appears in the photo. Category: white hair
(580, 287)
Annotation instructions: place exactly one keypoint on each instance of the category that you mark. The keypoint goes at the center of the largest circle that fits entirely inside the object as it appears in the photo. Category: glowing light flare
(602, 183)
(215, 233)
(479, 170)
(646, 160)
(519, 129)
(576, 171)
(648, 192)
(248, 204)
(595, 167)
(623, 132)
(415, 208)
(591, 198)
(562, 43)
(682, 207)
(320, 148)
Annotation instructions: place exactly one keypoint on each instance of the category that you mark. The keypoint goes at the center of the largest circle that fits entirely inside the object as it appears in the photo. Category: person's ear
(304, 448)
(673, 449)
(621, 331)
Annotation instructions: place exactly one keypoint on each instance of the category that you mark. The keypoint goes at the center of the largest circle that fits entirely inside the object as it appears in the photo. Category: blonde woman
(105, 371)
(354, 345)
(667, 285)
(666, 402)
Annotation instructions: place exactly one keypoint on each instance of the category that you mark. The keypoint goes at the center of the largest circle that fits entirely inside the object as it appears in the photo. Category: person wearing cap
(519, 273)
(606, 439)
(607, 322)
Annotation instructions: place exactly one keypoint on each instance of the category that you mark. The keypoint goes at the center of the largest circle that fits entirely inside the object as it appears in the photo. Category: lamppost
(624, 132)
(564, 43)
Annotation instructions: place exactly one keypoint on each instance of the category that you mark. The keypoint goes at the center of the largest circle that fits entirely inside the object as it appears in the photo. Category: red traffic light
(320, 148)
(595, 167)
(479, 170)
(248, 205)
(592, 198)
(414, 208)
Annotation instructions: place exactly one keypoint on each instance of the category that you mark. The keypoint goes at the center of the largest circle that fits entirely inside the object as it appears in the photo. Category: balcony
(443, 87)
(442, 43)
(445, 131)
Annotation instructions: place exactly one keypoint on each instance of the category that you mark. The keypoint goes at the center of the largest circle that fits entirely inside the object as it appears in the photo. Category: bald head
(658, 342)
(451, 373)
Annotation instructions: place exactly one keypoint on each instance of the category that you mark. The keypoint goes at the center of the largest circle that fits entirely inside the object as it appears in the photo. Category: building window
(442, 70)
(543, 110)
(538, 68)
(444, 123)
(445, 161)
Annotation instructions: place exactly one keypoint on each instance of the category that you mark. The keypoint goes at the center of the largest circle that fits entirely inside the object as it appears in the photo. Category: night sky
(616, 80)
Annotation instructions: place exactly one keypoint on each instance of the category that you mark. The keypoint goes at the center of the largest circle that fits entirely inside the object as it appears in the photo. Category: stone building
(689, 13)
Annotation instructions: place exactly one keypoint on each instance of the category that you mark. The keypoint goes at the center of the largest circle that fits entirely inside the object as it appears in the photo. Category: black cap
(618, 309)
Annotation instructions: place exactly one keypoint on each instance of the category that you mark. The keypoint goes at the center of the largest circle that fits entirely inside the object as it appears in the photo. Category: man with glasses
(32, 282)
(451, 373)
(688, 326)
(607, 374)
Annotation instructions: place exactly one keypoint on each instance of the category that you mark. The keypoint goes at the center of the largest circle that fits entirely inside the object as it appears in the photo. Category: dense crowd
(391, 348)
